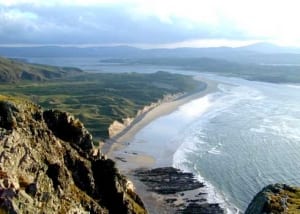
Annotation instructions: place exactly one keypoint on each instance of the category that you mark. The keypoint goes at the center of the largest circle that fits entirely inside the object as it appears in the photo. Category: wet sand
(128, 161)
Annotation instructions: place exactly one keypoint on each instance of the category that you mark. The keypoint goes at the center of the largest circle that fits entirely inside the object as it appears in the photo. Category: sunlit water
(95, 65)
(237, 140)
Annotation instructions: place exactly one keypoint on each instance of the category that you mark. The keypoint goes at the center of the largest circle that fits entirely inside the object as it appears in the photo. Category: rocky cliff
(118, 127)
(276, 199)
(47, 166)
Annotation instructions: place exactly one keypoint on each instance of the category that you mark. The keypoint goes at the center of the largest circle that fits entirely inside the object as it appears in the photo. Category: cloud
(144, 21)
(105, 24)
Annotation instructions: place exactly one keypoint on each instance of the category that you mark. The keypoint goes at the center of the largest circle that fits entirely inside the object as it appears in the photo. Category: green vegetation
(293, 201)
(276, 198)
(15, 71)
(99, 99)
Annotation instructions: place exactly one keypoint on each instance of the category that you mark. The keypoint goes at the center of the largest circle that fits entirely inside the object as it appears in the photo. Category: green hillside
(99, 99)
(14, 71)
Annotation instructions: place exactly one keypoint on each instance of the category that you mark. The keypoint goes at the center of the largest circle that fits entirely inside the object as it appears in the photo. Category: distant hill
(269, 48)
(259, 53)
(57, 51)
(14, 70)
(275, 73)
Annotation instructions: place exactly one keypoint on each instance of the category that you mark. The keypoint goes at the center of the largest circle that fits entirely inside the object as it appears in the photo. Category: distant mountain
(113, 52)
(260, 53)
(14, 70)
(269, 48)
(57, 51)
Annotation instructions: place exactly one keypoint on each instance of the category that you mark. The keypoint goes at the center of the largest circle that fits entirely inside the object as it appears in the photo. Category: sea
(236, 140)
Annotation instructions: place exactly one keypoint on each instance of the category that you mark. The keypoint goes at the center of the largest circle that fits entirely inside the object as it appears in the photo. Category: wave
(212, 105)
(213, 196)
(251, 125)
(196, 107)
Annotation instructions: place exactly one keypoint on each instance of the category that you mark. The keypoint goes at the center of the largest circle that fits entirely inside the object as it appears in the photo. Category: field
(99, 99)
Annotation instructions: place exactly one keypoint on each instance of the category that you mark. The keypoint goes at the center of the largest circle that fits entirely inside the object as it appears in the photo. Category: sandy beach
(119, 142)
(127, 161)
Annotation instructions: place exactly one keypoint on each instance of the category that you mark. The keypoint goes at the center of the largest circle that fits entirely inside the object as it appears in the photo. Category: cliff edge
(47, 166)
(276, 199)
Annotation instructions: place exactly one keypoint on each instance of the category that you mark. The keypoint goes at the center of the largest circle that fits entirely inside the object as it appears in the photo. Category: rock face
(69, 129)
(46, 166)
(276, 199)
(117, 127)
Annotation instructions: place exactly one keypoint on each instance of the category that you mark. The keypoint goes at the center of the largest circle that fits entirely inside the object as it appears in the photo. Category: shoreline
(129, 161)
(118, 142)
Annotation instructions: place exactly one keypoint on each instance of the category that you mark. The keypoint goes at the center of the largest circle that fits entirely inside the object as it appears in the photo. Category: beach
(129, 160)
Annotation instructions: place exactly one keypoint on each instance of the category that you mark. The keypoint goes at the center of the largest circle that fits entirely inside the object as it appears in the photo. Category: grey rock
(46, 166)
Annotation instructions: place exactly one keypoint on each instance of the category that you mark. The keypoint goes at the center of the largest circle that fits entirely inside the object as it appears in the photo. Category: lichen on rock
(69, 129)
(276, 199)
(46, 165)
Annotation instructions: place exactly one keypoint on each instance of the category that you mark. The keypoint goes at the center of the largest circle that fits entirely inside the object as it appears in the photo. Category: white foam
(282, 126)
(214, 105)
(180, 161)
(188, 125)
(258, 109)
(196, 107)
(212, 195)
(258, 130)
(214, 151)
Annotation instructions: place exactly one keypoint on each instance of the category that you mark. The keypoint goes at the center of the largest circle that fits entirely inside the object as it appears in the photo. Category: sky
(149, 23)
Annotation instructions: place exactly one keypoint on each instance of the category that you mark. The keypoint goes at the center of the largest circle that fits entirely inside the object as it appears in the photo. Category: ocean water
(249, 137)
(237, 140)
(95, 65)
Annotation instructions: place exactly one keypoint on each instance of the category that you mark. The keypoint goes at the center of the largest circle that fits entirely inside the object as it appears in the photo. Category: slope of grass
(99, 99)
(14, 71)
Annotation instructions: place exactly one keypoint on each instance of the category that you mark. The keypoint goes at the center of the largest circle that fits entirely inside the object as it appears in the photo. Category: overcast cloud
(146, 22)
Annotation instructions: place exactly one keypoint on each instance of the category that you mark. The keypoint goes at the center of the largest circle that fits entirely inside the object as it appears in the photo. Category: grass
(293, 201)
(99, 99)
(15, 71)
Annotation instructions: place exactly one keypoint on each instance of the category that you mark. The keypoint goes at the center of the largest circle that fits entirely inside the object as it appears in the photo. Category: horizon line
(175, 45)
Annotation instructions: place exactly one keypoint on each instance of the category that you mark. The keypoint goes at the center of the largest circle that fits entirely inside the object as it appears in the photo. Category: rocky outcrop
(69, 129)
(275, 199)
(46, 166)
(117, 127)
(168, 180)
(180, 190)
